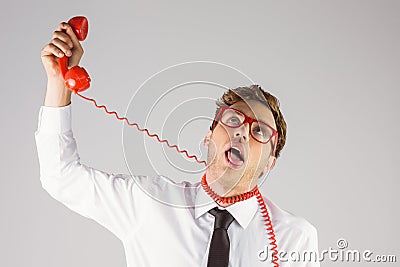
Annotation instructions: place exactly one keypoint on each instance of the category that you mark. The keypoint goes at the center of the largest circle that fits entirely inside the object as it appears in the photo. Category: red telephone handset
(76, 78)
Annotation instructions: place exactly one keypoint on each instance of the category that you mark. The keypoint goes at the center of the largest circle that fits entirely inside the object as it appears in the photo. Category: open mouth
(234, 155)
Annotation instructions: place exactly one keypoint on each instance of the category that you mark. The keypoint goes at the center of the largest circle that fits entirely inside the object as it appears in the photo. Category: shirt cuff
(54, 119)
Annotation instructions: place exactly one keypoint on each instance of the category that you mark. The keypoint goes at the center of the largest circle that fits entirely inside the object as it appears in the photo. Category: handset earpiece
(76, 78)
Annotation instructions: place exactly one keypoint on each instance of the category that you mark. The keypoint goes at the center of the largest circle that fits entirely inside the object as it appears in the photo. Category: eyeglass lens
(259, 130)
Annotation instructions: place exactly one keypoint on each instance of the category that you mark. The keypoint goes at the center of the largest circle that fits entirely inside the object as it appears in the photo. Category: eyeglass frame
(250, 121)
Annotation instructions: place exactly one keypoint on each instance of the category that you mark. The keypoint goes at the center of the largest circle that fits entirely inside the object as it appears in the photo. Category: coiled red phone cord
(226, 200)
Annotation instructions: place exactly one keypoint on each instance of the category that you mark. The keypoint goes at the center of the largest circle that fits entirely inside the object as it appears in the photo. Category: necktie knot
(222, 218)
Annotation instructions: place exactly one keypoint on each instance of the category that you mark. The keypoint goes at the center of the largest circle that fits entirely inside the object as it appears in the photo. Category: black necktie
(218, 255)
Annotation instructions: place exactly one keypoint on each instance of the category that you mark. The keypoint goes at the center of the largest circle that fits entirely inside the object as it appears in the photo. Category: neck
(225, 199)
(229, 185)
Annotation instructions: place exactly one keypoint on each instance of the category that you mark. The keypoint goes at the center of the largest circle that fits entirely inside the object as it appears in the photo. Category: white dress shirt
(155, 234)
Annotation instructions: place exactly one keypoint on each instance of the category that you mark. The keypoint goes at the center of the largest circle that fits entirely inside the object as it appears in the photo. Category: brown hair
(255, 92)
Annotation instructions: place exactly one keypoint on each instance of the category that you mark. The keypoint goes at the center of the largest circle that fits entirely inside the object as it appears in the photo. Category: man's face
(226, 167)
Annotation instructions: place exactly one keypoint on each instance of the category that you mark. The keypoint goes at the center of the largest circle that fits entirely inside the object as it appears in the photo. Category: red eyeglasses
(260, 131)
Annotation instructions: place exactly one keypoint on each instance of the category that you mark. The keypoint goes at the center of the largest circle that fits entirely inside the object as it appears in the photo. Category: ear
(270, 164)
(207, 137)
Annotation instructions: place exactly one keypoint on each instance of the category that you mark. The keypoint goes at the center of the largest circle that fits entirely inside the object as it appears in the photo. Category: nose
(242, 131)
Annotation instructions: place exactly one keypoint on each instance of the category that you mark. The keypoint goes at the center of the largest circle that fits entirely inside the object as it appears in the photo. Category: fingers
(65, 27)
(64, 42)
(63, 37)
(62, 46)
(51, 49)
(59, 46)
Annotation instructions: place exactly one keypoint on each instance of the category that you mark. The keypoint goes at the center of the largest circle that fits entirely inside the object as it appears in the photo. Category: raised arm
(105, 198)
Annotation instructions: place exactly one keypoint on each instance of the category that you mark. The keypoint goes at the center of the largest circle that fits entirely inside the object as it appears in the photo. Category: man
(222, 225)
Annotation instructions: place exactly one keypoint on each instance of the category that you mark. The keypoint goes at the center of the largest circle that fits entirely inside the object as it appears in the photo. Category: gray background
(333, 64)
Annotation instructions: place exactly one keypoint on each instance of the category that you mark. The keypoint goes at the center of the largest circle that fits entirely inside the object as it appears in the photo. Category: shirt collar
(243, 211)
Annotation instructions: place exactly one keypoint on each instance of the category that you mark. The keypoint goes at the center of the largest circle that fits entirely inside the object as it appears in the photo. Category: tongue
(234, 158)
